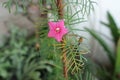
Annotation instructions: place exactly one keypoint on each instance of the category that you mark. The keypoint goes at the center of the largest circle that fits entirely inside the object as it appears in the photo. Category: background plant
(112, 71)
(19, 59)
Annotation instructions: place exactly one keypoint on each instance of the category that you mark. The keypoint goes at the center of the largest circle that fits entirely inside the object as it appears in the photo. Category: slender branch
(64, 59)
(59, 4)
(60, 8)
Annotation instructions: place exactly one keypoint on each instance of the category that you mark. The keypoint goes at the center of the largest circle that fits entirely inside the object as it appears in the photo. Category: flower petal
(60, 23)
(58, 37)
(64, 31)
(51, 33)
(51, 25)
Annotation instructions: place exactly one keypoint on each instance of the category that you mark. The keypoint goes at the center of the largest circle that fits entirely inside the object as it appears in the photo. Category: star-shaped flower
(57, 30)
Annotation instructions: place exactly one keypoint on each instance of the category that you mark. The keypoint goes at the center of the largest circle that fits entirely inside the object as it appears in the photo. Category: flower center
(57, 29)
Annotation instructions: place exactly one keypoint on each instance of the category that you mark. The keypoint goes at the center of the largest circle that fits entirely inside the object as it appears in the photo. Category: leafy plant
(103, 71)
(19, 60)
(117, 63)
(113, 28)
(72, 47)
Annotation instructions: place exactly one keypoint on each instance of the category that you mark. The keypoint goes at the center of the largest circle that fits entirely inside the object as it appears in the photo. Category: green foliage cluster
(49, 49)
(19, 60)
(113, 71)
(19, 3)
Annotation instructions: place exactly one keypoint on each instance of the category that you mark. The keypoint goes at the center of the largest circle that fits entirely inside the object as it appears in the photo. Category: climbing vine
(71, 47)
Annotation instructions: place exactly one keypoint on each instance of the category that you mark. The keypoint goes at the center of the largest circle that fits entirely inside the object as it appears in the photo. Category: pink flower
(57, 30)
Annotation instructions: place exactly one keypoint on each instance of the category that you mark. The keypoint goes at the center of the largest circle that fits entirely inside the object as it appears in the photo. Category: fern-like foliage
(8, 4)
(75, 12)
(74, 51)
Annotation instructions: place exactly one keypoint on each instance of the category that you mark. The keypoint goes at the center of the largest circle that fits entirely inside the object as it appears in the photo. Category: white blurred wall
(113, 6)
